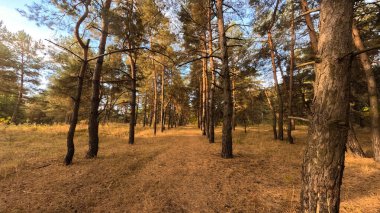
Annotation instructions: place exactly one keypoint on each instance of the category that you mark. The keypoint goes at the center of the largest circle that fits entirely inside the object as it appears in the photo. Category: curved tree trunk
(93, 121)
(227, 96)
(323, 164)
(74, 119)
(372, 93)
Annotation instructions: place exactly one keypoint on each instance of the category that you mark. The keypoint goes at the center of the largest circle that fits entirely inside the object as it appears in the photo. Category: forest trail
(176, 171)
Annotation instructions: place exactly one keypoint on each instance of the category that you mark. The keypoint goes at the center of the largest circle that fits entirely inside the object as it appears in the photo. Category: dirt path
(185, 177)
(176, 171)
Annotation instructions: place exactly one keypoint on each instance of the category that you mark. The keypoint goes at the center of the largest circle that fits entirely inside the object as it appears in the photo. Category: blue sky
(15, 22)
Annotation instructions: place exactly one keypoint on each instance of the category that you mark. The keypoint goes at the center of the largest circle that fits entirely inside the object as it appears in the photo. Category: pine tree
(323, 165)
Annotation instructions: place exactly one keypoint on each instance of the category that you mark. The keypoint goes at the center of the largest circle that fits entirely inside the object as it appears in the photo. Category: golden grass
(176, 171)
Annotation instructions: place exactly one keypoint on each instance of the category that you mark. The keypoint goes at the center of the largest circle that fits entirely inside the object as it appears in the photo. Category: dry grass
(176, 171)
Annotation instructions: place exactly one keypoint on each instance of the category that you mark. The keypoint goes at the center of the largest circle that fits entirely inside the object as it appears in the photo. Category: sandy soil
(176, 171)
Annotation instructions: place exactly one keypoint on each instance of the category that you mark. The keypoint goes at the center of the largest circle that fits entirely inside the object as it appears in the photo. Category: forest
(191, 106)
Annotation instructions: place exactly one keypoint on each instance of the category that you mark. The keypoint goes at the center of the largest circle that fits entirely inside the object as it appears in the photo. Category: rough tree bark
(212, 70)
(372, 93)
(227, 96)
(314, 43)
(93, 121)
(74, 120)
(323, 164)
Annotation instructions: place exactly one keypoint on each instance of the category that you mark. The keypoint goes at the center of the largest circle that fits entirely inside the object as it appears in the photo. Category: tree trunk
(372, 93)
(212, 69)
(227, 96)
(151, 116)
(20, 91)
(291, 69)
(169, 115)
(278, 91)
(174, 119)
(305, 104)
(145, 106)
(233, 100)
(310, 26)
(353, 143)
(199, 117)
(204, 88)
(132, 119)
(279, 65)
(74, 119)
(93, 121)
(200, 110)
(137, 104)
(322, 169)
(274, 117)
(163, 100)
(155, 100)
(75, 115)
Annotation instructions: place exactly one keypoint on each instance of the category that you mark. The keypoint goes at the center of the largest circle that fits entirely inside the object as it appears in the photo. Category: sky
(14, 21)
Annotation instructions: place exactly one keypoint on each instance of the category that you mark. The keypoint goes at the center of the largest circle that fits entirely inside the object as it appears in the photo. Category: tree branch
(305, 64)
(200, 58)
(64, 48)
(114, 81)
(355, 53)
(131, 50)
(217, 86)
(309, 11)
(116, 51)
(299, 118)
